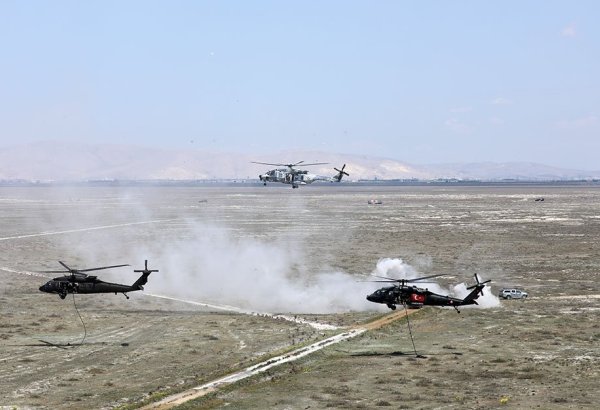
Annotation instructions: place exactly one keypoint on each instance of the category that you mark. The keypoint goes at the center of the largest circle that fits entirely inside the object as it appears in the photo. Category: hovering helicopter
(415, 297)
(296, 177)
(76, 281)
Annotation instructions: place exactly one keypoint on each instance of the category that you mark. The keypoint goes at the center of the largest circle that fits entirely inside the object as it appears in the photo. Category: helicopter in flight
(415, 297)
(296, 177)
(76, 281)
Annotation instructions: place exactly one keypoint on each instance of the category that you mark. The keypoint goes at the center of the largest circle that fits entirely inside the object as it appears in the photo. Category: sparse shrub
(459, 398)
(423, 382)
(336, 404)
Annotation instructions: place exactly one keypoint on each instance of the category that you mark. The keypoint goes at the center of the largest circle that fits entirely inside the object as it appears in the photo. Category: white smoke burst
(487, 300)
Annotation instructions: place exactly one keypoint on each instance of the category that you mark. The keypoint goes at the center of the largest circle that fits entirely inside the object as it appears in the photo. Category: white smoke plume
(253, 274)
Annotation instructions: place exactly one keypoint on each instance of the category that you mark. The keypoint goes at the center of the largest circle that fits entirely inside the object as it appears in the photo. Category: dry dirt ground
(543, 352)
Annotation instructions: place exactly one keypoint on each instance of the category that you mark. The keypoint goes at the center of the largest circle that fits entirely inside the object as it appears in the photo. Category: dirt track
(208, 388)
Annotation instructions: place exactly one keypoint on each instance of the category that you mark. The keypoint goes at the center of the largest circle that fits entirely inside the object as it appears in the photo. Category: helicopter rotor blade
(408, 280)
(479, 285)
(266, 163)
(66, 267)
(101, 268)
(314, 163)
(389, 280)
(381, 281)
(425, 277)
(145, 270)
(341, 171)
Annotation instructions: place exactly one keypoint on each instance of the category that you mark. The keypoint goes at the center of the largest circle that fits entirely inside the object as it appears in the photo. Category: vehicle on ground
(512, 293)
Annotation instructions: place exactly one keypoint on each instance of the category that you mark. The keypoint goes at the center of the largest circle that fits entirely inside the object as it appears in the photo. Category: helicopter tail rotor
(479, 285)
(340, 173)
(477, 290)
(142, 280)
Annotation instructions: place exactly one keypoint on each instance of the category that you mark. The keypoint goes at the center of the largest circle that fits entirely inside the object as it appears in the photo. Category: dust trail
(295, 319)
(25, 272)
(94, 228)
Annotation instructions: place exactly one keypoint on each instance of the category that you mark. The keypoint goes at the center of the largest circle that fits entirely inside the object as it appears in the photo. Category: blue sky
(419, 81)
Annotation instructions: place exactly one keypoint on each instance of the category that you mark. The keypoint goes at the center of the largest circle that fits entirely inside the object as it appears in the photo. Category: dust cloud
(210, 262)
(213, 265)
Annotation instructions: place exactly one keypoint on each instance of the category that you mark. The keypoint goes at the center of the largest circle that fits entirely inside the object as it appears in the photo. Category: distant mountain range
(61, 161)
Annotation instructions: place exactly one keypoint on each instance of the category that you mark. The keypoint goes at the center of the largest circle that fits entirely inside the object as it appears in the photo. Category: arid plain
(225, 252)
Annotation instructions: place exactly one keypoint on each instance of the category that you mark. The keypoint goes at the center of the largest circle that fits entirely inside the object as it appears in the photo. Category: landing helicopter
(296, 177)
(76, 281)
(415, 297)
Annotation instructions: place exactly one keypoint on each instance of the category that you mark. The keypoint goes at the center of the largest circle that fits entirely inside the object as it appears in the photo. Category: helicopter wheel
(264, 183)
(62, 295)
(393, 307)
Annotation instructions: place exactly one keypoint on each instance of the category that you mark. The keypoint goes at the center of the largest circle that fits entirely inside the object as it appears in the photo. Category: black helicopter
(415, 297)
(76, 281)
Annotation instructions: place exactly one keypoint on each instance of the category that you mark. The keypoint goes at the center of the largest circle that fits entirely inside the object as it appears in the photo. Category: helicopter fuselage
(64, 285)
(414, 297)
(285, 176)
(80, 282)
(296, 177)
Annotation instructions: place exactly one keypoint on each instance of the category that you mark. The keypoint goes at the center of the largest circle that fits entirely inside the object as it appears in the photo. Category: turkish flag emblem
(415, 297)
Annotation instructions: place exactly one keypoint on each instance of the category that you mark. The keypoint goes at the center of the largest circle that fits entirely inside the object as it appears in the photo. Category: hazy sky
(418, 81)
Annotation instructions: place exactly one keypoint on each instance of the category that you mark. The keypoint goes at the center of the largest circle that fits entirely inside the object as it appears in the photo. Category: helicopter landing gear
(264, 183)
(62, 295)
(393, 307)
(294, 186)
(124, 294)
